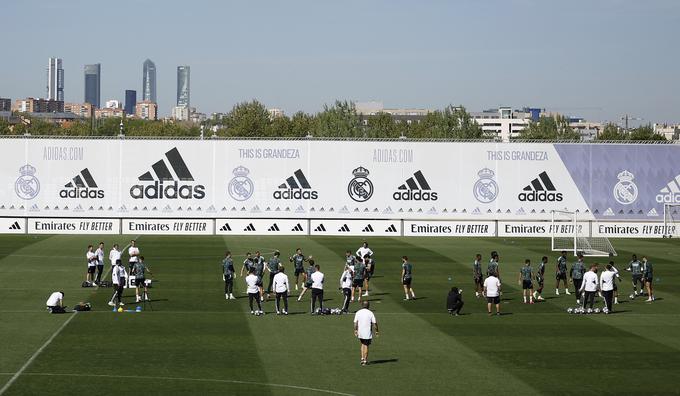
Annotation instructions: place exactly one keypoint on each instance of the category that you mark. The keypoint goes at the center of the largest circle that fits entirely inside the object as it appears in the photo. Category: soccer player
(576, 275)
(540, 278)
(407, 279)
(253, 291)
(118, 276)
(635, 268)
(92, 260)
(607, 287)
(247, 265)
(281, 288)
(454, 301)
(350, 259)
(133, 253)
(590, 286)
(370, 264)
(317, 288)
(307, 278)
(273, 267)
(477, 275)
(55, 302)
(364, 250)
(346, 287)
(364, 323)
(648, 276)
(358, 282)
(492, 292)
(298, 260)
(258, 264)
(493, 267)
(228, 273)
(561, 273)
(100, 262)
(526, 274)
(114, 256)
(139, 271)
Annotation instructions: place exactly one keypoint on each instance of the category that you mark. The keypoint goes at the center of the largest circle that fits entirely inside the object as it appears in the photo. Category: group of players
(584, 278)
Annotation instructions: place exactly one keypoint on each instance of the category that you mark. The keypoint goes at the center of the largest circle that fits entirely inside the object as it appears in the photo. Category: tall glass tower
(149, 81)
(93, 84)
(183, 86)
(130, 101)
(55, 79)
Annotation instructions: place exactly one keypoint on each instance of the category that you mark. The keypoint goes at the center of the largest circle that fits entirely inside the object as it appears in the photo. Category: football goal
(671, 220)
(566, 233)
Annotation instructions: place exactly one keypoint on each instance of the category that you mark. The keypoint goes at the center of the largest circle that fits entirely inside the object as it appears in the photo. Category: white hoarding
(355, 227)
(450, 228)
(73, 226)
(540, 229)
(168, 226)
(261, 226)
(12, 225)
(632, 229)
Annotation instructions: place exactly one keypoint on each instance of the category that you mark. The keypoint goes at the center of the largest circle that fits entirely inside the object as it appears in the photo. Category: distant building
(109, 112)
(146, 110)
(84, 110)
(502, 123)
(149, 81)
(181, 113)
(93, 84)
(183, 86)
(113, 104)
(5, 104)
(197, 117)
(55, 118)
(275, 113)
(55, 79)
(32, 105)
(130, 101)
(670, 132)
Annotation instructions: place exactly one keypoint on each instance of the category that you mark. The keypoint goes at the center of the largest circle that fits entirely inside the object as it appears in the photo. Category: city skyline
(183, 86)
(93, 84)
(149, 81)
(598, 60)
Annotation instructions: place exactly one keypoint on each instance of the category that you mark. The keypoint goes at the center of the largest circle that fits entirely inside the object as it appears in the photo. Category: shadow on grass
(382, 361)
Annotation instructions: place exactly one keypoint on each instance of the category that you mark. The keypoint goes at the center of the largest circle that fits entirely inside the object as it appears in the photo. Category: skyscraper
(93, 84)
(55, 79)
(149, 82)
(183, 86)
(130, 101)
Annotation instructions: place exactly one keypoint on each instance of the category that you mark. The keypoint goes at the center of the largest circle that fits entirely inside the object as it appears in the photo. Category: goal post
(566, 233)
(671, 220)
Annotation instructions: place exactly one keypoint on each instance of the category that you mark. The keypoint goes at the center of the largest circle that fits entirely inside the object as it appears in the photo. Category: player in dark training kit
(407, 278)
(561, 273)
(358, 282)
(477, 275)
(228, 273)
(258, 265)
(540, 278)
(298, 260)
(307, 275)
(247, 265)
(635, 268)
(648, 277)
(273, 268)
(525, 276)
(576, 275)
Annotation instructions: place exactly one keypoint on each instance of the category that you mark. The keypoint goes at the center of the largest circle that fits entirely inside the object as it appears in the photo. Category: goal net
(566, 233)
(671, 220)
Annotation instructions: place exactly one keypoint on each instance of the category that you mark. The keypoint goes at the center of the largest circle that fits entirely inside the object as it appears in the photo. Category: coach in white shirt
(363, 251)
(607, 286)
(55, 302)
(253, 289)
(91, 258)
(590, 286)
(492, 292)
(364, 322)
(114, 256)
(317, 288)
(281, 288)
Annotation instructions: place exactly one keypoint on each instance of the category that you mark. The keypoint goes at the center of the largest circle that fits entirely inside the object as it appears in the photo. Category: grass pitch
(196, 342)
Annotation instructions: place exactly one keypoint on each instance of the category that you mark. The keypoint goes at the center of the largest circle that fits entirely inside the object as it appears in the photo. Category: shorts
(648, 280)
(299, 271)
(561, 276)
(365, 341)
(540, 280)
(406, 281)
(526, 284)
(493, 300)
(358, 283)
(139, 282)
(308, 285)
(91, 269)
(259, 281)
(616, 288)
(637, 278)
(478, 281)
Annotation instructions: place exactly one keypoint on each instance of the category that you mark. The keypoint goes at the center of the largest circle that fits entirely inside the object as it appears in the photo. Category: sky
(594, 59)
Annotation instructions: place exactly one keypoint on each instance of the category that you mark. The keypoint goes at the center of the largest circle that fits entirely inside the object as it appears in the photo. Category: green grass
(195, 342)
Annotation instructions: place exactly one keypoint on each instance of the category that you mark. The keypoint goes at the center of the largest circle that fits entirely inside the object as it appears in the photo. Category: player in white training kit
(133, 252)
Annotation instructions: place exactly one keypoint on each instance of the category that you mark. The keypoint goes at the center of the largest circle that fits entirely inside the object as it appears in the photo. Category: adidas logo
(82, 186)
(251, 227)
(320, 228)
(15, 226)
(344, 228)
(296, 187)
(274, 227)
(670, 193)
(368, 228)
(298, 228)
(391, 228)
(165, 184)
(541, 189)
(225, 227)
(416, 188)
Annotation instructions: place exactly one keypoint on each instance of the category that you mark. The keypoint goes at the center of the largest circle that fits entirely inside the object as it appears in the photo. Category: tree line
(339, 120)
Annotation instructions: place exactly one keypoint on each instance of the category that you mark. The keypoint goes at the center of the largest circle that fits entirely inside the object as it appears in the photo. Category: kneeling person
(55, 302)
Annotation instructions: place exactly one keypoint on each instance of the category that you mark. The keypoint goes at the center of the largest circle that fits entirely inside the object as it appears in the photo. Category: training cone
(138, 309)
(120, 309)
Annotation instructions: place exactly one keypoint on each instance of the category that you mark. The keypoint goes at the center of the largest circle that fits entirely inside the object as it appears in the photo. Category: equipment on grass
(671, 220)
(120, 309)
(567, 234)
(570, 310)
(632, 296)
(596, 310)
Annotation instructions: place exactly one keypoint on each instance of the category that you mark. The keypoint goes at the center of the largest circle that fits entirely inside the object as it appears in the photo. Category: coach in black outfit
(454, 301)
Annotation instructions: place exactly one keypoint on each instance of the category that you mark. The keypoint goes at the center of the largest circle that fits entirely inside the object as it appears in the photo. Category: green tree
(381, 125)
(611, 132)
(645, 132)
(248, 119)
(279, 127)
(550, 128)
(339, 120)
(301, 124)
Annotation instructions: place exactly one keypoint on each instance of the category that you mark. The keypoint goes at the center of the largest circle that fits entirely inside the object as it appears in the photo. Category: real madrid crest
(360, 188)
(27, 185)
(241, 187)
(625, 191)
(485, 189)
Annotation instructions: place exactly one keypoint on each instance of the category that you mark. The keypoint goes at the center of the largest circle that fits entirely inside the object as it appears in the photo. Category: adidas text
(668, 198)
(296, 194)
(159, 190)
(81, 193)
(414, 195)
(540, 196)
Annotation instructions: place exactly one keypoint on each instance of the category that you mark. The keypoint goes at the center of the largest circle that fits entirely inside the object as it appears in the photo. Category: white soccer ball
(570, 310)
(605, 310)
(632, 296)
(590, 310)
(596, 310)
